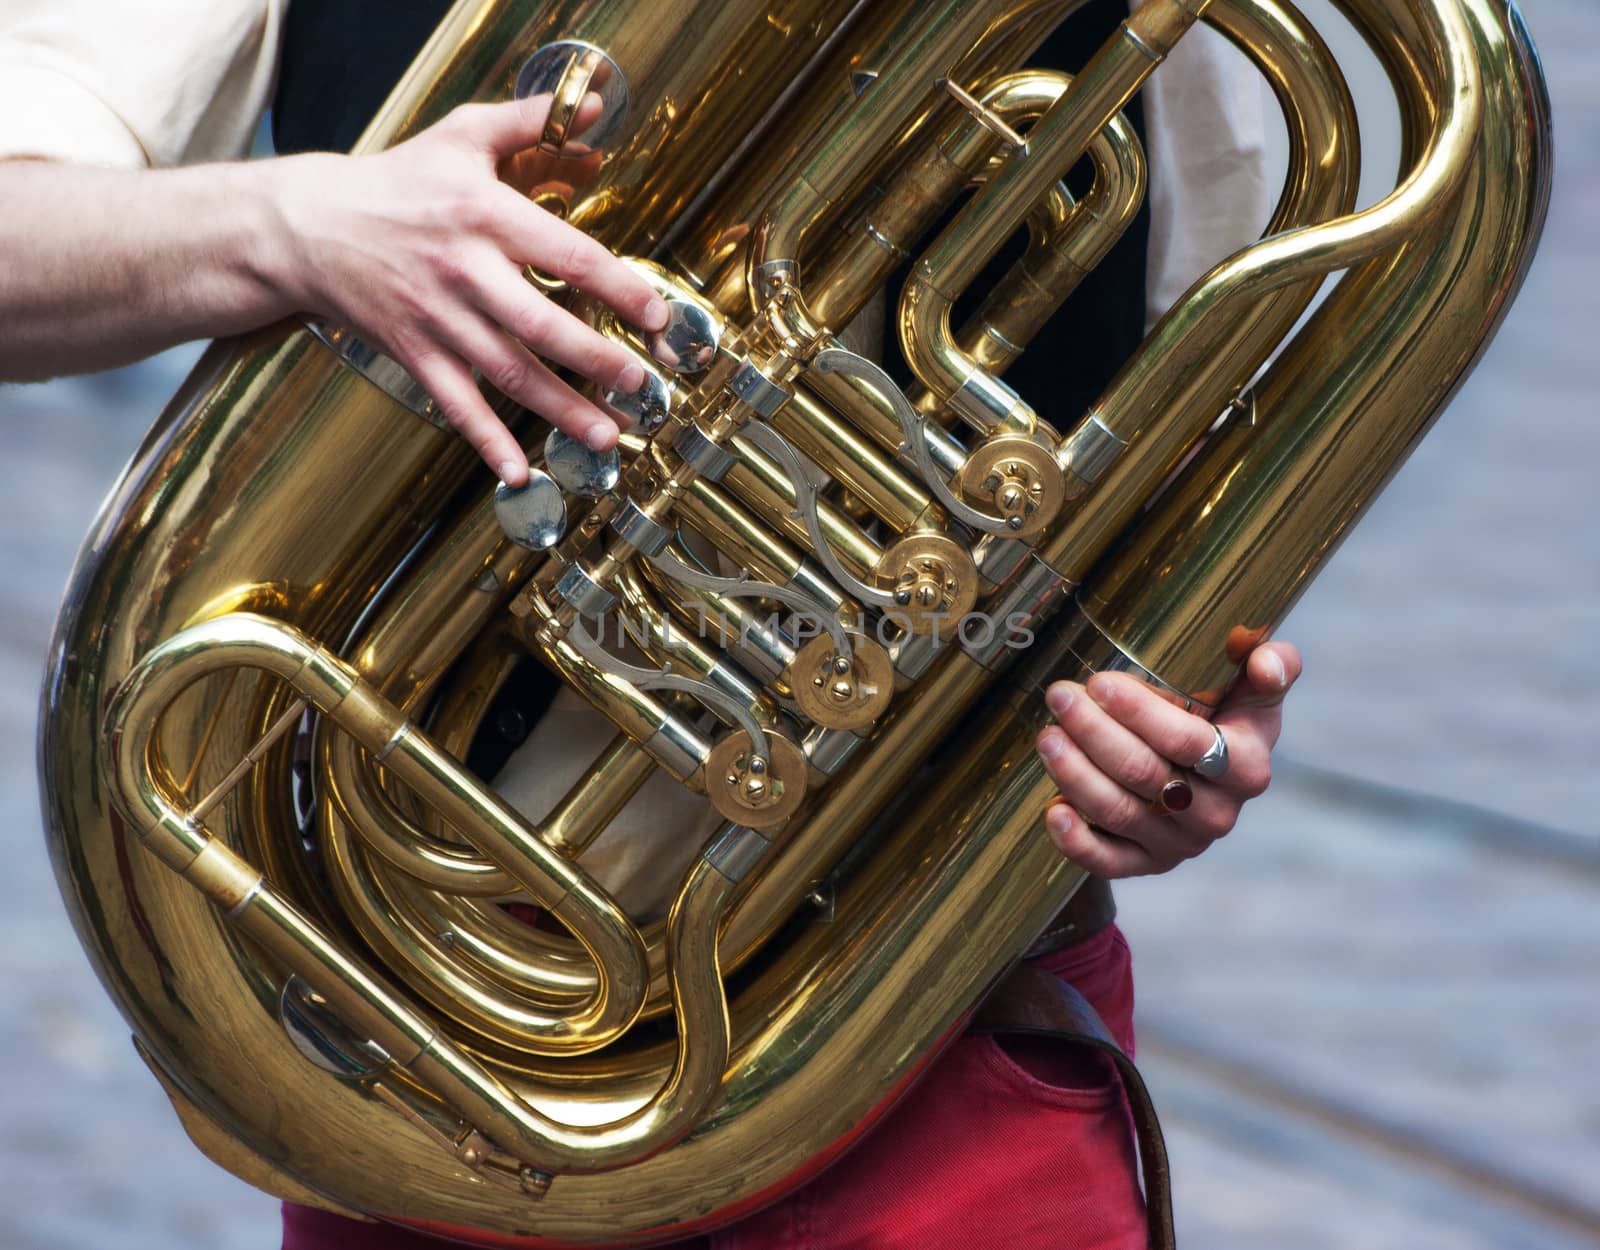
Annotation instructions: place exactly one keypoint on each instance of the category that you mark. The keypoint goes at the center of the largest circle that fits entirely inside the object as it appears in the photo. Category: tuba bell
(299, 604)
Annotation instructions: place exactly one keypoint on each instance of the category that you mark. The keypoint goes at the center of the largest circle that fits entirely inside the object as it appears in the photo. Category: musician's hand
(421, 249)
(1117, 742)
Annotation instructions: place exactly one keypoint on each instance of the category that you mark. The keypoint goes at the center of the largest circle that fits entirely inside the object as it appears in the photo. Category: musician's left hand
(1118, 741)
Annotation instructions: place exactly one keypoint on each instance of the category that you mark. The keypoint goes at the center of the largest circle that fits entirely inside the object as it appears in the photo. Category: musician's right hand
(421, 249)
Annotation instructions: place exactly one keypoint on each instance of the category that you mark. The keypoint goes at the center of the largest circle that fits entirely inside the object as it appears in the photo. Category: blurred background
(1371, 1018)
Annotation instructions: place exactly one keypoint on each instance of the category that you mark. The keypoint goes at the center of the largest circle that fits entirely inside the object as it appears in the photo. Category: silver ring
(1214, 762)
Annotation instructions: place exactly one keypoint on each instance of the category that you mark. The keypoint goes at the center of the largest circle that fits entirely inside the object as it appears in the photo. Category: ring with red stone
(1175, 796)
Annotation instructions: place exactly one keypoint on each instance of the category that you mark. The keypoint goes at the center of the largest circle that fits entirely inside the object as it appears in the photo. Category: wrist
(273, 213)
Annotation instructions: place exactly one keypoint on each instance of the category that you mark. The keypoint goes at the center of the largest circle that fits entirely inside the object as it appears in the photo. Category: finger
(550, 331)
(450, 382)
(1269, 671)
(512, 370)
(1211, 814)
(1118, 751)
(504, 128)
(1097, 853)
(1251, 714)
(531, 236)
(1170, 732)
(1101, 801)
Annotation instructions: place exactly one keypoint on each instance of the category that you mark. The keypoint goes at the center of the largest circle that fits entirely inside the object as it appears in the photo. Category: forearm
(421, 250)
(99, 267)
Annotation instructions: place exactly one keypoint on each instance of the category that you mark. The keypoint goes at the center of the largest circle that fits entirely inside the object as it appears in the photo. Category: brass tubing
(550, 968)
(246, 641)
(652, 630)
(365, 1004)
(1055, 143)
(738, 534)
(735, 623)
(1323, 180)
(410, 647)
(761, 484)
(916, 194)
(360, 798)
(672, 742)
(362, 1001)
(695, 1079)
(593, 800)
(1231, 549)
(1189, 335)
(596, 798)
(926, 47)
(716, 249)
(394, 922)
(853, 461)
(1061, 253)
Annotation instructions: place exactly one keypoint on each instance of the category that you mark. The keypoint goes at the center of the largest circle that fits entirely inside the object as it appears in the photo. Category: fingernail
(1275, 669)
(631, 378)
(656, 315)
(600, 437)
(511, 471)
(1060, 697)
(1051, 743)
(1099, 689)
(1058, 818)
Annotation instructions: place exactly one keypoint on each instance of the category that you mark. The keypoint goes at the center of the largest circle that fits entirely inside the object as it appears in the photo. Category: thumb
(1272, 668)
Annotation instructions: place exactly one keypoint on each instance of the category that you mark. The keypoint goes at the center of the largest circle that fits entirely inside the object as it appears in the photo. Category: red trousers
(1003, 1143)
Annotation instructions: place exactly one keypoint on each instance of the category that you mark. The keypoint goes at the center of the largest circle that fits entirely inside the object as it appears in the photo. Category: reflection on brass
(1012, 476)
(933, 580)
(838, 691)
(826, 649)
(751, 790)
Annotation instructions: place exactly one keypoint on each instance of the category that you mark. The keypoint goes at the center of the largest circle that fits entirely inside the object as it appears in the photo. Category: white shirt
(148, 83)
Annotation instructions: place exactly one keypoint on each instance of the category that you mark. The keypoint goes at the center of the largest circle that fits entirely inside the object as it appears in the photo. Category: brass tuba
(300, 601)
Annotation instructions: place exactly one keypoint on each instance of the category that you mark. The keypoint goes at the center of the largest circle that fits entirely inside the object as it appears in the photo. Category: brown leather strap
(1090, 909)
(1031, 1002)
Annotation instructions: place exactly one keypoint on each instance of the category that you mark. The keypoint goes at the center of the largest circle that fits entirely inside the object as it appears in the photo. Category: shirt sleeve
(135, 83)
(1206, 113)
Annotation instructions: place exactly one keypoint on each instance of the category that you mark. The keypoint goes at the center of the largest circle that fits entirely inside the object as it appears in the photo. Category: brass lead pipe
(1230, 549)
(1055, 143)
(1322, 182)
(1191, 333)
(1061, 253)
(927, 48)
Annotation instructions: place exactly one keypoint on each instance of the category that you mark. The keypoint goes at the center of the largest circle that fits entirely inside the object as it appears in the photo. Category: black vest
(341, 58)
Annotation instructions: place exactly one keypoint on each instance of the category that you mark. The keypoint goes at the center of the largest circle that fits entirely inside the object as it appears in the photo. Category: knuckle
(450, 265)
(1255, 777)
(471, 210)
(1142, 770)
(532, 323)
(576, 256)
(1122, 812)
(458, 416)
(598, 360)
(512, 377)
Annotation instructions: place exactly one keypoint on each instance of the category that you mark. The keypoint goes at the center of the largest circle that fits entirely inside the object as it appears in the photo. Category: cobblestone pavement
(1370, 1016)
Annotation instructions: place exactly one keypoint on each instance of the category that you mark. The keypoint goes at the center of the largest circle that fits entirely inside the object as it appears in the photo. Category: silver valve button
(571, 71)
(584, 473)
(646, 408)
(689, 342)
(533, 516)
